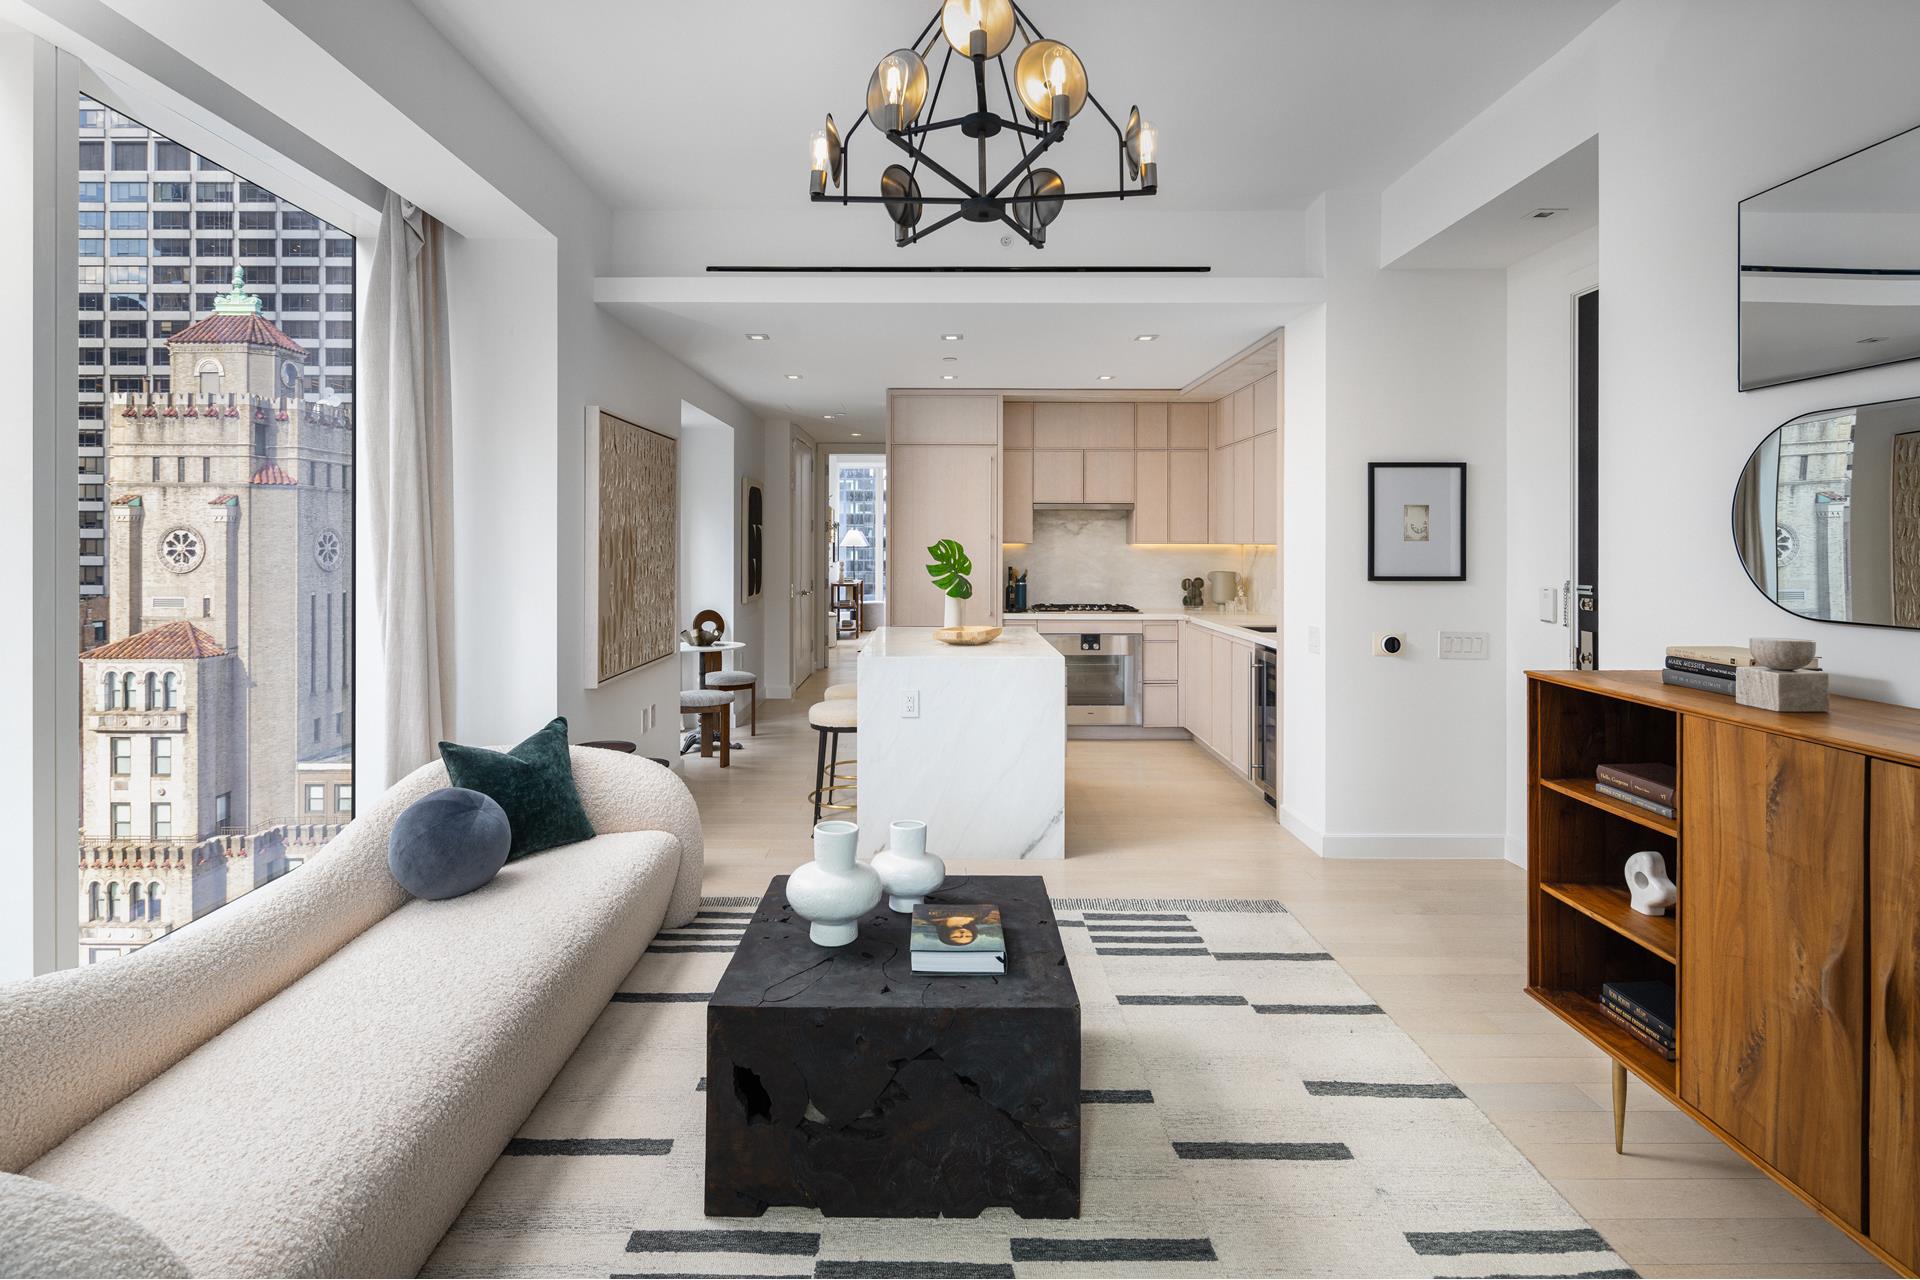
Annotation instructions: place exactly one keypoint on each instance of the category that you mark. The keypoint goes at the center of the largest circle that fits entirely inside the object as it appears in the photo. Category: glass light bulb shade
(1044, 70)
(817, 151)
(959, 19)
(1130, 136)
(1149, 145)
(897, 90)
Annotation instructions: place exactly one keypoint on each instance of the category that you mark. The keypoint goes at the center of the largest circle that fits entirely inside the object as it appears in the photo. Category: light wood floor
(1439, 945)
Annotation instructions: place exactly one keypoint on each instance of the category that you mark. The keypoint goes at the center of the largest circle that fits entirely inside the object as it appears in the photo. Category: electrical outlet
(1471, 646)
(910, 705)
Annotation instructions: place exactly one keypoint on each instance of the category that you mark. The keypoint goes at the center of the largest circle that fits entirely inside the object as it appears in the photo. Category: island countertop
(970, 739)
(1016, 642)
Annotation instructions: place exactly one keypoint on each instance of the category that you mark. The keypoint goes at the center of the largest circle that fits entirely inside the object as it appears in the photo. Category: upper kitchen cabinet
(1082, 424)
(944, 419)
(1016, 490)
(1109, 476)
(945, 478)
(1150, 424)
(1016, 417)
(1188, 426)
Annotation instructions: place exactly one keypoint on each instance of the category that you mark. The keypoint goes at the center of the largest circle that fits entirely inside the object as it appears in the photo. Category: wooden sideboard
(1795, 949)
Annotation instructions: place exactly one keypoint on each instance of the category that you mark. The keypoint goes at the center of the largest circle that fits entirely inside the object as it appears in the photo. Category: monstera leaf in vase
(949, 571)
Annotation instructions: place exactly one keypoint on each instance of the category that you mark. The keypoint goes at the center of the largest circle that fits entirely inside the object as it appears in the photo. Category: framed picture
(1416, 522)
(753, 516)
(631, 523)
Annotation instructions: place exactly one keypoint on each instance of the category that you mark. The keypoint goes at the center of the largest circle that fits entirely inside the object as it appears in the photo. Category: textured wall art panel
(1906, 529)
(639, 545)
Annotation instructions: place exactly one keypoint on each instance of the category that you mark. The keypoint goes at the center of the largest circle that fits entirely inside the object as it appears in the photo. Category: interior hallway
(1440, 945)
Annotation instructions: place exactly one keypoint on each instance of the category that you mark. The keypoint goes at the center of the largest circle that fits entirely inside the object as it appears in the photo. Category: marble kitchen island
(970, 740)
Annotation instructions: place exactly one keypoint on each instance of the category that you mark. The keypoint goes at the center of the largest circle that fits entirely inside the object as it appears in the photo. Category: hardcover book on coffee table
(958, 937)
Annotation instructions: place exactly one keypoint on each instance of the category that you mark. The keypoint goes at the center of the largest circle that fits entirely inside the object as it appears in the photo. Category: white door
(805, 554)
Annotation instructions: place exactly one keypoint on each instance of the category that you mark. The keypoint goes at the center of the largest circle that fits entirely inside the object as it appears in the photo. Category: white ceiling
(1504, 231)
(1261, 104)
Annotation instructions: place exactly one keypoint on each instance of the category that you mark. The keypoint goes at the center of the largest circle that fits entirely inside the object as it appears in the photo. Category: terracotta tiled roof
(273, 473)
(226, 329)
(172, 640)
(126, 500)
(224, 499)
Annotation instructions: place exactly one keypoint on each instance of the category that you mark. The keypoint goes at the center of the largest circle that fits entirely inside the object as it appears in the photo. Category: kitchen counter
(1230, 624)
(972, 740)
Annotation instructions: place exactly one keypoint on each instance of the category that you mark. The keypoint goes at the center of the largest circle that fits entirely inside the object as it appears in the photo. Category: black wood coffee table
(842, 1080)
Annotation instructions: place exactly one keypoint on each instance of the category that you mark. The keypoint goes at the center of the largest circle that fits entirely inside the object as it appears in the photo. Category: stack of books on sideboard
(1644, 1010)
(1646, 786)
(1705, 666)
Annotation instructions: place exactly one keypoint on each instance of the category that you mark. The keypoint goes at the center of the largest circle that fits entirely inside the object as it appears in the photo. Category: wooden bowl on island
(966, 635)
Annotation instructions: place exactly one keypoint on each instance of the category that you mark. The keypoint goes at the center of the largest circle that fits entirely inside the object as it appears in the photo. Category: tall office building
(161, 230)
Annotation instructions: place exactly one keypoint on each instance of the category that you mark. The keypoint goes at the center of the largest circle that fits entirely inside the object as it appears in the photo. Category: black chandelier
(1046, 90)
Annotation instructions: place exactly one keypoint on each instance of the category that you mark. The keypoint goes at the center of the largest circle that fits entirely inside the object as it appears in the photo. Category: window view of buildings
(859, 494)
(216, 526)
(1811, 545)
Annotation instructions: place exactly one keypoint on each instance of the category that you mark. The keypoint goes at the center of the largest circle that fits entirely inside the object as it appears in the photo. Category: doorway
(808, 654)
(1584, 633)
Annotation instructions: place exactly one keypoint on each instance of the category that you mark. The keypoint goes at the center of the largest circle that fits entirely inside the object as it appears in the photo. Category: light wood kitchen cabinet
(1082, 424)
(1016, 424)
(935, 492)
(1220, 424)
(1161, 663)
(1239, 750)
(1240, 469)
(1160, 706)
(1189, 426)
(1016, 496)
(1109, 475)
(1266, 404)
(1220, 496)
(944, 419)
(1266, 488)
(1059, 475)
(1773, 957)
(1220, 670)
(1241, 406)
(1150, 424)
(1893, 1004)
(1151, 494)
(1196, 683)
(1187, 479)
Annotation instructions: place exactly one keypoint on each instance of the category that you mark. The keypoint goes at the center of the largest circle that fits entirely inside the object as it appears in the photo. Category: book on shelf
(1649, 1002)
(1651, 781)
(1694, 680)
(1701, 667)
(1638, 802)
(958, 937)
(1664, 1048)
(1719, 655)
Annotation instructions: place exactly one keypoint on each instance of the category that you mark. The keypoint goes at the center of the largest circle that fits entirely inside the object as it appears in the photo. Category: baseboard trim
(1395, 845)
(778, 693)
(1302, 830)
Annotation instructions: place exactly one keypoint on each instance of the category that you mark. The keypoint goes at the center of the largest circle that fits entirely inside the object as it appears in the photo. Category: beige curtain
(405, 415)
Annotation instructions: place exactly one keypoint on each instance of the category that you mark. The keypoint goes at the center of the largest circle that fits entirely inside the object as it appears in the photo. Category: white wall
(1539, 366)
(1303, 578)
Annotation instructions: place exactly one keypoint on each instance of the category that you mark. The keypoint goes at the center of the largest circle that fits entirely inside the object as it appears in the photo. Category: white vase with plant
(949, 571)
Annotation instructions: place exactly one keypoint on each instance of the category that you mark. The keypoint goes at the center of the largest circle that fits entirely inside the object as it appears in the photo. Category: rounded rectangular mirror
(1826, 516)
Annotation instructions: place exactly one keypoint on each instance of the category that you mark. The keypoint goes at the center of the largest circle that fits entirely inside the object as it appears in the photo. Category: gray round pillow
(448, 842)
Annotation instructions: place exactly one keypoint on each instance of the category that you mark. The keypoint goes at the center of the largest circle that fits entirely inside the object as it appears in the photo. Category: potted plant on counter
(949, 571)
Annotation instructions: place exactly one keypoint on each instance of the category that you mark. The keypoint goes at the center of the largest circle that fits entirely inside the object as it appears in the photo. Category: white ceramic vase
(905, 867)
(833, 891)
(952, 613)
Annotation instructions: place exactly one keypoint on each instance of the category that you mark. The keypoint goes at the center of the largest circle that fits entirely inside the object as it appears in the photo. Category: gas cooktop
(1081, 608)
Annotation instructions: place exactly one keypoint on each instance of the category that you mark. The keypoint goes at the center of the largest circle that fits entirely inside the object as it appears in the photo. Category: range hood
(1083, 506)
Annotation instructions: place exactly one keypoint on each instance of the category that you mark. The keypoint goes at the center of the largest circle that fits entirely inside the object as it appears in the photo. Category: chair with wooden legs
(714, 708)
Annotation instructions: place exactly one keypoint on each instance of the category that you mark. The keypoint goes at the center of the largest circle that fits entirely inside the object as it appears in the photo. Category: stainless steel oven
(1103, 677)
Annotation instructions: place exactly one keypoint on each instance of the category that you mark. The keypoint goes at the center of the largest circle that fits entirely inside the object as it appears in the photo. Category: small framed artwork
(1416, 522)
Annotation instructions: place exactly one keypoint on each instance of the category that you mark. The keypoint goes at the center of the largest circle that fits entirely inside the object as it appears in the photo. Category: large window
(860, 520)
(216, 726)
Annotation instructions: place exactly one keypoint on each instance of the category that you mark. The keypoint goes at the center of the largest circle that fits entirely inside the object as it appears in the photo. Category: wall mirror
(1830, 267)
(1826, 516)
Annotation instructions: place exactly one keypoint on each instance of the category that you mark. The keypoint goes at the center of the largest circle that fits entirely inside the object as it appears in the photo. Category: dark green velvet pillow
(533, 783)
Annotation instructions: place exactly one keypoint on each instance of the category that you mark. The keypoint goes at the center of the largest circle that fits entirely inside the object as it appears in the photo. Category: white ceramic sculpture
(1649, 889)
(907, 870)
(833, 891)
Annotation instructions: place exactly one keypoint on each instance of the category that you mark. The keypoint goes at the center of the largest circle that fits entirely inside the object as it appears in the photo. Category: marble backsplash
(1084, 557)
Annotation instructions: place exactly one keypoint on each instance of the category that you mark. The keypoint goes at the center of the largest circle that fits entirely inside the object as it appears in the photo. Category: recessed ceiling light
(826, 417)
(756, 337)
(1148, 337)
(793, 377)
(952, 337)
(1545, 213)
(948, 377)
(949, 359)
(1106, 377)
(854, 434)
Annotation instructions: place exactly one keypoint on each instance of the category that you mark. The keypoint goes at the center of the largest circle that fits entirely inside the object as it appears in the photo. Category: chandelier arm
(931, 163)
(817, 198)
(1021, 231)
(927, 30)
(1118, 132)
(1026, 163)
(929, 230)
(1028, 23)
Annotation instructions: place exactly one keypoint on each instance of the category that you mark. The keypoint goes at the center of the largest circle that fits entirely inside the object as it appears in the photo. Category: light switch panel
(1471, 646)
(1549, 605)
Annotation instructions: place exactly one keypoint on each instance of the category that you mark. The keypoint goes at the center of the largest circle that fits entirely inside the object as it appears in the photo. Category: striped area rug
(1246, 1111)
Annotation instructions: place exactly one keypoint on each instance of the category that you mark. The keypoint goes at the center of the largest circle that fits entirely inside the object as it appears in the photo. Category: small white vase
(953, 612)
(905, 867)
(833, 891)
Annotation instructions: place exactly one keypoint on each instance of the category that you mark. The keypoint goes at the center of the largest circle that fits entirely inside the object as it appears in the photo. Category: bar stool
(733, 682)
(714, 709)
(833, 718)
(842, 691)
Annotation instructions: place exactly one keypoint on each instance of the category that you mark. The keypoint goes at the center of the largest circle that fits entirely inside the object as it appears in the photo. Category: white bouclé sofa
(314, 1078)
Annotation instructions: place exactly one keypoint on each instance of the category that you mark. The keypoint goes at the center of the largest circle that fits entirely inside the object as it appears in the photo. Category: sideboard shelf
(1792, 952)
